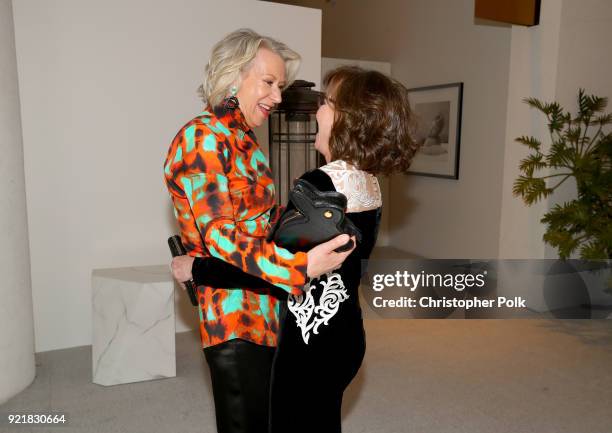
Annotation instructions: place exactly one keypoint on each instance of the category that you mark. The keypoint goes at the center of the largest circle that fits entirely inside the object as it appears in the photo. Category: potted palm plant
(581, 149)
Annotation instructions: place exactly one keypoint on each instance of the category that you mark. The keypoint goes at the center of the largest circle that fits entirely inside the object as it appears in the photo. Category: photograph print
(438, 131)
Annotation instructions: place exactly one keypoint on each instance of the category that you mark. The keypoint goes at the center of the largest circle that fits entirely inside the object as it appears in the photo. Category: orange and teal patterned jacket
(223, 195)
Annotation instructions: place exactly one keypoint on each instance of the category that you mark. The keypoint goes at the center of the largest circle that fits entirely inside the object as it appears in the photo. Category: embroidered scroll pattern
(308, 315)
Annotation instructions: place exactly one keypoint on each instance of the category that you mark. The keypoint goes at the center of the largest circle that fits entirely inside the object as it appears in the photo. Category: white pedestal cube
(133, 324)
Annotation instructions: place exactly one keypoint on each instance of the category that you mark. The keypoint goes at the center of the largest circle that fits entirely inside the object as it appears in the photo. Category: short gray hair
(232, 55)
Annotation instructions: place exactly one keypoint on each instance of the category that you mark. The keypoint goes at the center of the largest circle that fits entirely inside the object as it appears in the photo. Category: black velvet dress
(322, 341)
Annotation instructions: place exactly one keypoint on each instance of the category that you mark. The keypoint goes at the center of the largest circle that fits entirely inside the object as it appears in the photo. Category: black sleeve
(319, 179)
(214, 272)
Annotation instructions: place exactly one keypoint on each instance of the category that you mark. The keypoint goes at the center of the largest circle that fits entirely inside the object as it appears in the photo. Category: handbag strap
(306, 196)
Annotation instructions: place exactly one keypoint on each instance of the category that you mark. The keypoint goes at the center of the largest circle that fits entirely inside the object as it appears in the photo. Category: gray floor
(419, 376)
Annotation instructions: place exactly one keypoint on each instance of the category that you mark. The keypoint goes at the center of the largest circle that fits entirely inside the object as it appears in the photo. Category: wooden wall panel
(523, 12)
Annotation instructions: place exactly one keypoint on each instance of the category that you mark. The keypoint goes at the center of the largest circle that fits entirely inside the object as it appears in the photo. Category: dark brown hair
(373, 121)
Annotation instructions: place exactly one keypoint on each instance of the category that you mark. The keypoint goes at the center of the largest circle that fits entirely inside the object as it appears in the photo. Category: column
(17, 366)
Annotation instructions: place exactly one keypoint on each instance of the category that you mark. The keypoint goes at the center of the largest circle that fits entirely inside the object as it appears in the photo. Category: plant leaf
(604, 119)
(531, 142)
(593, 250)
(531, 189)
(561, 155)
(573, 134)
(535, 103)
(531, 163)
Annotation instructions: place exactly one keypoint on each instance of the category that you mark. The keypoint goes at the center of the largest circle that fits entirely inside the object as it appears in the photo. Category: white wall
(584, 50)
(104, 88)
(533, 72)
(16, 323)
(441, 43)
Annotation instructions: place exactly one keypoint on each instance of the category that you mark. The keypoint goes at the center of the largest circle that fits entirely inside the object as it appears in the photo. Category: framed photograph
(438, 115)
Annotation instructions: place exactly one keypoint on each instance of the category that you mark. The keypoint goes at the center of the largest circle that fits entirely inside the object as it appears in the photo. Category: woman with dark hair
(364, 129)
(365, 126)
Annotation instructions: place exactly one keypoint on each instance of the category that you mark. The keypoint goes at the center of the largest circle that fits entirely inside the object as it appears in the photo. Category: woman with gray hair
(223, 194)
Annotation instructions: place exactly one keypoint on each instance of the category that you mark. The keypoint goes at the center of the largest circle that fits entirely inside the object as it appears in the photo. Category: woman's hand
(181, 269)
(323, 259)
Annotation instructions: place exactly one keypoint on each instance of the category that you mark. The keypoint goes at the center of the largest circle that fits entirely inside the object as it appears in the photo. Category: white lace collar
(360, 188)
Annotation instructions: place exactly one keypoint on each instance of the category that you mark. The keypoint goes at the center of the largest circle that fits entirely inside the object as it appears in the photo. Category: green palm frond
(560, 155)
(604, 119)
(531, 189)
(588, 105)
(598, 104)
(535, 103)
(583, 102)
(531, 142)
(532, 163)
(593, 250)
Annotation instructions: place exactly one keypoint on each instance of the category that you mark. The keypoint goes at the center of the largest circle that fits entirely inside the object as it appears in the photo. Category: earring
(231, 103)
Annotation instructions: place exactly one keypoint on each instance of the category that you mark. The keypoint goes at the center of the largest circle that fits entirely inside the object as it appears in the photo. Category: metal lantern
(293, 128)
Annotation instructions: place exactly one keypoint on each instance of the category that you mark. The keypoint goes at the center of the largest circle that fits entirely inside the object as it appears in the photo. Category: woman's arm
(214, 272)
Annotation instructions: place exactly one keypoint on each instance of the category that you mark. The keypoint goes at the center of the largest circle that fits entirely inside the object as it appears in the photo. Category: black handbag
(315, 217)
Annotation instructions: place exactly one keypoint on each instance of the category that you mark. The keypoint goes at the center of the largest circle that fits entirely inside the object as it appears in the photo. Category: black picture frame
(438, 110)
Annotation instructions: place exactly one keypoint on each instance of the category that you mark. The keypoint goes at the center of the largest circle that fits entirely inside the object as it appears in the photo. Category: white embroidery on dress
(360, 188)
(304, 309)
